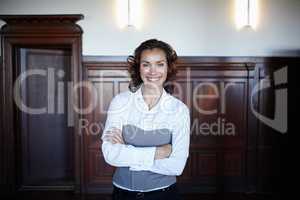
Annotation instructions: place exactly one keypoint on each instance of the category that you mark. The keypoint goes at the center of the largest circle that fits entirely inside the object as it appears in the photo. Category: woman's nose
(152, 69)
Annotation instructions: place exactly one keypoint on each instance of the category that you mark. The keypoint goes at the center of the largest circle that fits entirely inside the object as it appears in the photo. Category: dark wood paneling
(3, 185)
(46, 156)
(217, 164)
(259, 61)
(106, 83)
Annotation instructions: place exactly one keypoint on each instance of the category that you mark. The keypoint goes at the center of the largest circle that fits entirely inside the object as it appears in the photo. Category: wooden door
(45, 139)
(40, 150)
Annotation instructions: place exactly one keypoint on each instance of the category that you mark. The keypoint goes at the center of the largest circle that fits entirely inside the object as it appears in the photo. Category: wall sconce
(246, 13)
(129, 13)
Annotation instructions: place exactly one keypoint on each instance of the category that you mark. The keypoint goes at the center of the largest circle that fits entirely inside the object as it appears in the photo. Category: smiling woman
(155, 54)
(147, 131)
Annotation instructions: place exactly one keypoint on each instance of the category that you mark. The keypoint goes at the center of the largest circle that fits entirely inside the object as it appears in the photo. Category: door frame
(44, 31)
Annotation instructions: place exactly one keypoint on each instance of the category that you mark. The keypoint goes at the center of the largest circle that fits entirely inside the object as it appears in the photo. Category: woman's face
(153, 67)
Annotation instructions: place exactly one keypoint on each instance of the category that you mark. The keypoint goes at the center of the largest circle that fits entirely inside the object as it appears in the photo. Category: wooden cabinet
(40, 139)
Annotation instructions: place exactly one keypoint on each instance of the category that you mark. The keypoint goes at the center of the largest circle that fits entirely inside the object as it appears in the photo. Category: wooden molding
(41, 24)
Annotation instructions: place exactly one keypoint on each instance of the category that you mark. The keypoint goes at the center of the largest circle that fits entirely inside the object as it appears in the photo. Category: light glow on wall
(129, 13)
(246, 13)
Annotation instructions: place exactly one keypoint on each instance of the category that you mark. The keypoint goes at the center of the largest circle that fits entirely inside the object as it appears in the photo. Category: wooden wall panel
(105, 84)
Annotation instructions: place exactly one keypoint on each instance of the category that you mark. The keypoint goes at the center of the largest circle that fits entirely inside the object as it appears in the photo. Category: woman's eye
(145, 65)
(161, 64)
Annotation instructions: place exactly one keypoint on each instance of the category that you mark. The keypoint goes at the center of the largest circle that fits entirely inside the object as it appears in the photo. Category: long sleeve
(175, 163)
(121, 155)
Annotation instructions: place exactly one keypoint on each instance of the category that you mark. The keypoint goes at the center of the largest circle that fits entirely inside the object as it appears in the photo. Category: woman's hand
(114, 136)
(163, 151)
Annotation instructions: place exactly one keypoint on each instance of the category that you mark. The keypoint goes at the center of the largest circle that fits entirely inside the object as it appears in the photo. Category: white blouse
(128, 108)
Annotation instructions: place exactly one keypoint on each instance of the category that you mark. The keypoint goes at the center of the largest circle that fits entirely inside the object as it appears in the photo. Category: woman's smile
(153, 79)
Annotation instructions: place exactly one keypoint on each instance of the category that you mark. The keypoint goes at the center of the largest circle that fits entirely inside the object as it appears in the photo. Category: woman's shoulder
(122, 96)
(120, 102)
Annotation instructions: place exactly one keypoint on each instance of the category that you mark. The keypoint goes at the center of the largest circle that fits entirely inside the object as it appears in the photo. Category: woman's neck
(151, 95)
(151, 91)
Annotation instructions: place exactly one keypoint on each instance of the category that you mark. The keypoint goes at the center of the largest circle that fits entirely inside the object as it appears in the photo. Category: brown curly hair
(134, 64)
